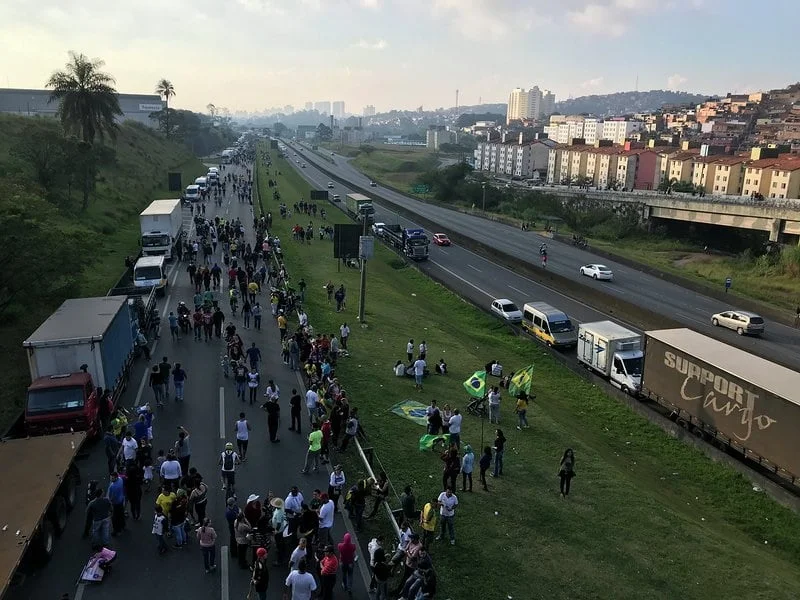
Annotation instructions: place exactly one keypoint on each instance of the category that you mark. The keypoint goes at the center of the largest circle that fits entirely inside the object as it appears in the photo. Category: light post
(483, 185)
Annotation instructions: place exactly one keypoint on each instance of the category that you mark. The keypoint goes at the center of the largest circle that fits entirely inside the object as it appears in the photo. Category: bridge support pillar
(776, 226)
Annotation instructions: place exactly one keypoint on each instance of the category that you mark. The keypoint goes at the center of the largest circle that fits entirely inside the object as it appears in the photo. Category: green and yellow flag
(476, 385)
(521, 381)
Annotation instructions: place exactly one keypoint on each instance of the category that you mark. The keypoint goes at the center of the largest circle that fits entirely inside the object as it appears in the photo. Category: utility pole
(362, 296)
(483, 185)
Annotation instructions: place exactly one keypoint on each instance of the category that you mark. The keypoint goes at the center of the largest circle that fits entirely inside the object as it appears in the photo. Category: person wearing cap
(260, 579)
(325, 512)
(280, 525)
(336, 485)
(227, 462)
(328, 567)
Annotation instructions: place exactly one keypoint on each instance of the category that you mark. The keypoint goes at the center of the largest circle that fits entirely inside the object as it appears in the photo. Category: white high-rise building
(338, 109)
(369, 110)
(323, 108)
(529, 104)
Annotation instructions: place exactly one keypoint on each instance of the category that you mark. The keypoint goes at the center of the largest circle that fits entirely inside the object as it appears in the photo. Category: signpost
(420, 189)
(728, 282)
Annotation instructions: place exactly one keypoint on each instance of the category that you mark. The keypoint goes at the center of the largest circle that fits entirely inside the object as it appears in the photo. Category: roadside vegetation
(70, 195)
(648, 517)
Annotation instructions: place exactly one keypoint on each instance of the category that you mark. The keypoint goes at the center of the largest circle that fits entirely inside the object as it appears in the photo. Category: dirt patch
(694, 258)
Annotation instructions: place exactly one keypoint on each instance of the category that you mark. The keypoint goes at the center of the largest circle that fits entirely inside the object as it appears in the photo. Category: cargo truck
(411, 242)
(42, 483)
(161, 226)
(612, 351)
(360, 208)
(726, 395)
(83, 349)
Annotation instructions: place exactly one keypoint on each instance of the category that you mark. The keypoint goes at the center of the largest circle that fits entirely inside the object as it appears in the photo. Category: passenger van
(192, 193)
(202, 183)
(213, 178)
(150, 272)
(548, 324)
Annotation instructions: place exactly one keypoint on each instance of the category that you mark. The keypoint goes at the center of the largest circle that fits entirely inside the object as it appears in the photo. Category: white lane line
(141, 388)
(79, 591)
(517, 290)
(174, 277)
(445, 252)
(474, 268)
(223, 572)
(457, 276)
(222, 413)
(166, 306)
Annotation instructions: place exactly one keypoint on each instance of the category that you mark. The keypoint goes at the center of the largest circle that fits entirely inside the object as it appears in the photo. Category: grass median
(648, 517)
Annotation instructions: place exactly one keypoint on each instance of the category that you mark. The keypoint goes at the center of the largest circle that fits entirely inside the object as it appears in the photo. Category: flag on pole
(521, 381)
(476, 385)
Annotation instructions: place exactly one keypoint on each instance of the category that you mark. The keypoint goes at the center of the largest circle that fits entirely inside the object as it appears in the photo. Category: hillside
(622, 103)
(64, 249)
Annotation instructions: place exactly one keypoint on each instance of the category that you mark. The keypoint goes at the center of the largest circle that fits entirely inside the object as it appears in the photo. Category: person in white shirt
(312, 399)
(419, 372)
(302, 317)
(129, 447)
(298, 554)
(336, 485)
(344, 333)
(405, 535)
(447, 511)
(273, 392)
(293, 505)
(325, 513)
(494, 405)
(242, 429)
(410, 350)
(455, 428)
(399, 369)
(301, 583)
(423, 349)
(171, 472)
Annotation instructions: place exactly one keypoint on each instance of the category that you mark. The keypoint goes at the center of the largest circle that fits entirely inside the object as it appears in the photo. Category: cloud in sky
(593, 83)
(376, 45)
(675, 81)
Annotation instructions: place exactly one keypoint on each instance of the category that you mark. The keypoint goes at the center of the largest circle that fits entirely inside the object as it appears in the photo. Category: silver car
(742, 322)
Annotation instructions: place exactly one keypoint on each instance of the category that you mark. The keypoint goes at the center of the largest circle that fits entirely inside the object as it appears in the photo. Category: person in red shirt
(347, 558)
(326, 438)
(328, 567)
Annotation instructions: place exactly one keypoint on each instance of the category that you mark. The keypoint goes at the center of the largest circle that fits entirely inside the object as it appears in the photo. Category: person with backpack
(228, 461)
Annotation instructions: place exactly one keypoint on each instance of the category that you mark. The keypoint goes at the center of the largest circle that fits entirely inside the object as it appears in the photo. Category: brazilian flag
(476, 385)
(521, 381)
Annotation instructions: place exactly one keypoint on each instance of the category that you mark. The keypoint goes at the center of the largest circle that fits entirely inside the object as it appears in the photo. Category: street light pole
(363, 291)
(483, 185)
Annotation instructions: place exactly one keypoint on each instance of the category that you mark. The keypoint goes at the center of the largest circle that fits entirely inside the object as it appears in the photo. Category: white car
(377, 229)
(507, 309)
(741, 321)
(330, 185)
(597, 272)
(373, 184)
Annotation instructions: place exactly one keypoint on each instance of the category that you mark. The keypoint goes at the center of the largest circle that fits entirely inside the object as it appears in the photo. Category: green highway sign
(420, 189)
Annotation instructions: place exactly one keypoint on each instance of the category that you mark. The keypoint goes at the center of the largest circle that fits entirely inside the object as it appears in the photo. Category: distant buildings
(338, 109)
(438, 135)
(33, 103)
(514, 157)
(323, 108)
(564, 129)
(288, 109)
(309, 106)
(369, 110)
(530, 104)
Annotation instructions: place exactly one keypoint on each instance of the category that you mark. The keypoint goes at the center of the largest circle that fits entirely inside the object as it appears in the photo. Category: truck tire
(43, 543)
(69, 488)
(57, 514)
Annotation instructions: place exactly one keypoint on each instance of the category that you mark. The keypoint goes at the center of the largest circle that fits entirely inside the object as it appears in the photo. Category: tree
(89, 102)
(166, 90)
(366, 149)
(279, 129)
(212, 110)
(43, 151)
(324, 133)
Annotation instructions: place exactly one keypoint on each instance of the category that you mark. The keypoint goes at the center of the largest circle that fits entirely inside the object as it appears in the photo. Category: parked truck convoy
(360, 208)
(411, 242)
(83, 350)
(161, 226)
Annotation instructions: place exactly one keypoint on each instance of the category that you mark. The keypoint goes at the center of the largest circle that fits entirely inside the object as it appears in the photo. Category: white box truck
(162, 227)
(614, 352)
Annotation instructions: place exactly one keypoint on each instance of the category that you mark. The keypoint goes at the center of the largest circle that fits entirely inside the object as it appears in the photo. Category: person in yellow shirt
(522, 410)
(165, 500)
(282, 324)
(314, 446)
(427, 520)
(252, 290)
(119, 423)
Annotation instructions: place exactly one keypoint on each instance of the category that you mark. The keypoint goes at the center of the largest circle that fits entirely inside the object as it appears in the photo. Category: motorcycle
(184, 323)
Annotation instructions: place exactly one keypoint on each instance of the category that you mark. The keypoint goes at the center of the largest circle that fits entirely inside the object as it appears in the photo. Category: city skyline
(389, 67)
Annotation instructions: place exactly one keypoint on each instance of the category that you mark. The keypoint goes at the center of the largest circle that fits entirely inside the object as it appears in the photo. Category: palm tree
(89, 101)
(166, 90)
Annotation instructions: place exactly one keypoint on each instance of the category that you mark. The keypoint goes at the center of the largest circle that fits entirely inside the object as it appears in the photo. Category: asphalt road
(694, 310)
(208, 413)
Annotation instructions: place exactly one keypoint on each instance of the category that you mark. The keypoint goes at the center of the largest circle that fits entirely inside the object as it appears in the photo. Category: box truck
(161, 226)
(612, 351)
(724, 394)
(360, 208)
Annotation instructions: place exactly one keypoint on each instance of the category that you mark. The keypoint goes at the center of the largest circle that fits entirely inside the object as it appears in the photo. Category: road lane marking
(166, 306)
(475, 268)
(517, 290)
(457, 276)
(445, 252)
(79, 591)
(223, 571)
(141, 388)
(174, 276)
(222, 413)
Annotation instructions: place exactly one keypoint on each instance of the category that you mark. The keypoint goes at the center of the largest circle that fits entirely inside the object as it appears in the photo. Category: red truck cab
(62, 403)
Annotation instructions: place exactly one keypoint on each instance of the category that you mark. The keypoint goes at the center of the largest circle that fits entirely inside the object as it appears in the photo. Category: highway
(208, 413)
(780, 343)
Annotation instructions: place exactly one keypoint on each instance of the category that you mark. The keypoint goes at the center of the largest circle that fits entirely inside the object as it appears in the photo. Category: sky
(254, 54)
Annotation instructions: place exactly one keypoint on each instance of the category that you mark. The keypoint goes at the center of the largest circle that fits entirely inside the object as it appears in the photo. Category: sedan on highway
(597, 272)
(330, 185)
(740, 321)
(441, 239)
(377, 229)
(373, 184)
(507, 309)
(303, 165)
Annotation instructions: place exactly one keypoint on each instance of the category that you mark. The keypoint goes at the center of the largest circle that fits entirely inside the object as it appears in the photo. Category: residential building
(306, 131)
(438, 135)
(548, 103)
(619, 130)
(785, 178)
(338, 109)
(515, 158)
(323, 108)
(369, 110)
(529, 104)
(680, 165)
(33, 103)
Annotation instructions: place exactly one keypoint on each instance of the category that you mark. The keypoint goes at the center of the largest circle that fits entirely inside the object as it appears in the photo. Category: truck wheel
(43, 543)
(69, 489)
(57, 514)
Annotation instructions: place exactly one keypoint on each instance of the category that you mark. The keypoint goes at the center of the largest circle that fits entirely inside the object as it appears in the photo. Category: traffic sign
(420, 189)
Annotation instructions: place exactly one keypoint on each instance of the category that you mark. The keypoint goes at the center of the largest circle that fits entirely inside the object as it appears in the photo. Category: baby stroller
(98, 566)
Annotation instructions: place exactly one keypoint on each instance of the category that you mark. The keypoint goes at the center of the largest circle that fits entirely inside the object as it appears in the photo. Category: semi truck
(727, 396)
(161, 226)
(614, 352)
(82, 350)
(360, 208)
(411, 242)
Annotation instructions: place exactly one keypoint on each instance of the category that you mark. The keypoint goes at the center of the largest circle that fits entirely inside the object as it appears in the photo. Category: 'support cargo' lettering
(727, 397)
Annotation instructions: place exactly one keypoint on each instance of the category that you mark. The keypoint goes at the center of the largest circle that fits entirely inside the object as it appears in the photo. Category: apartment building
(529, 104)
(591, 129)
(338, 109)
(604, 167)
(514, 157)
(369, 110)
(619, 130)
(323, 108)
(438, 135)
(719, 175)
(680, 165)
(777, 178)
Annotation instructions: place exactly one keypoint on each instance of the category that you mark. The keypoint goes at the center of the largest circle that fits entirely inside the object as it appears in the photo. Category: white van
(192, 193)
(213, 178)
(202, 183)
(150, 272)
(549, 325)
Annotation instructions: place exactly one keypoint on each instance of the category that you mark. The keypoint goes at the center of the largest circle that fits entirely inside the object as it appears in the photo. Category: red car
(441, 239)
